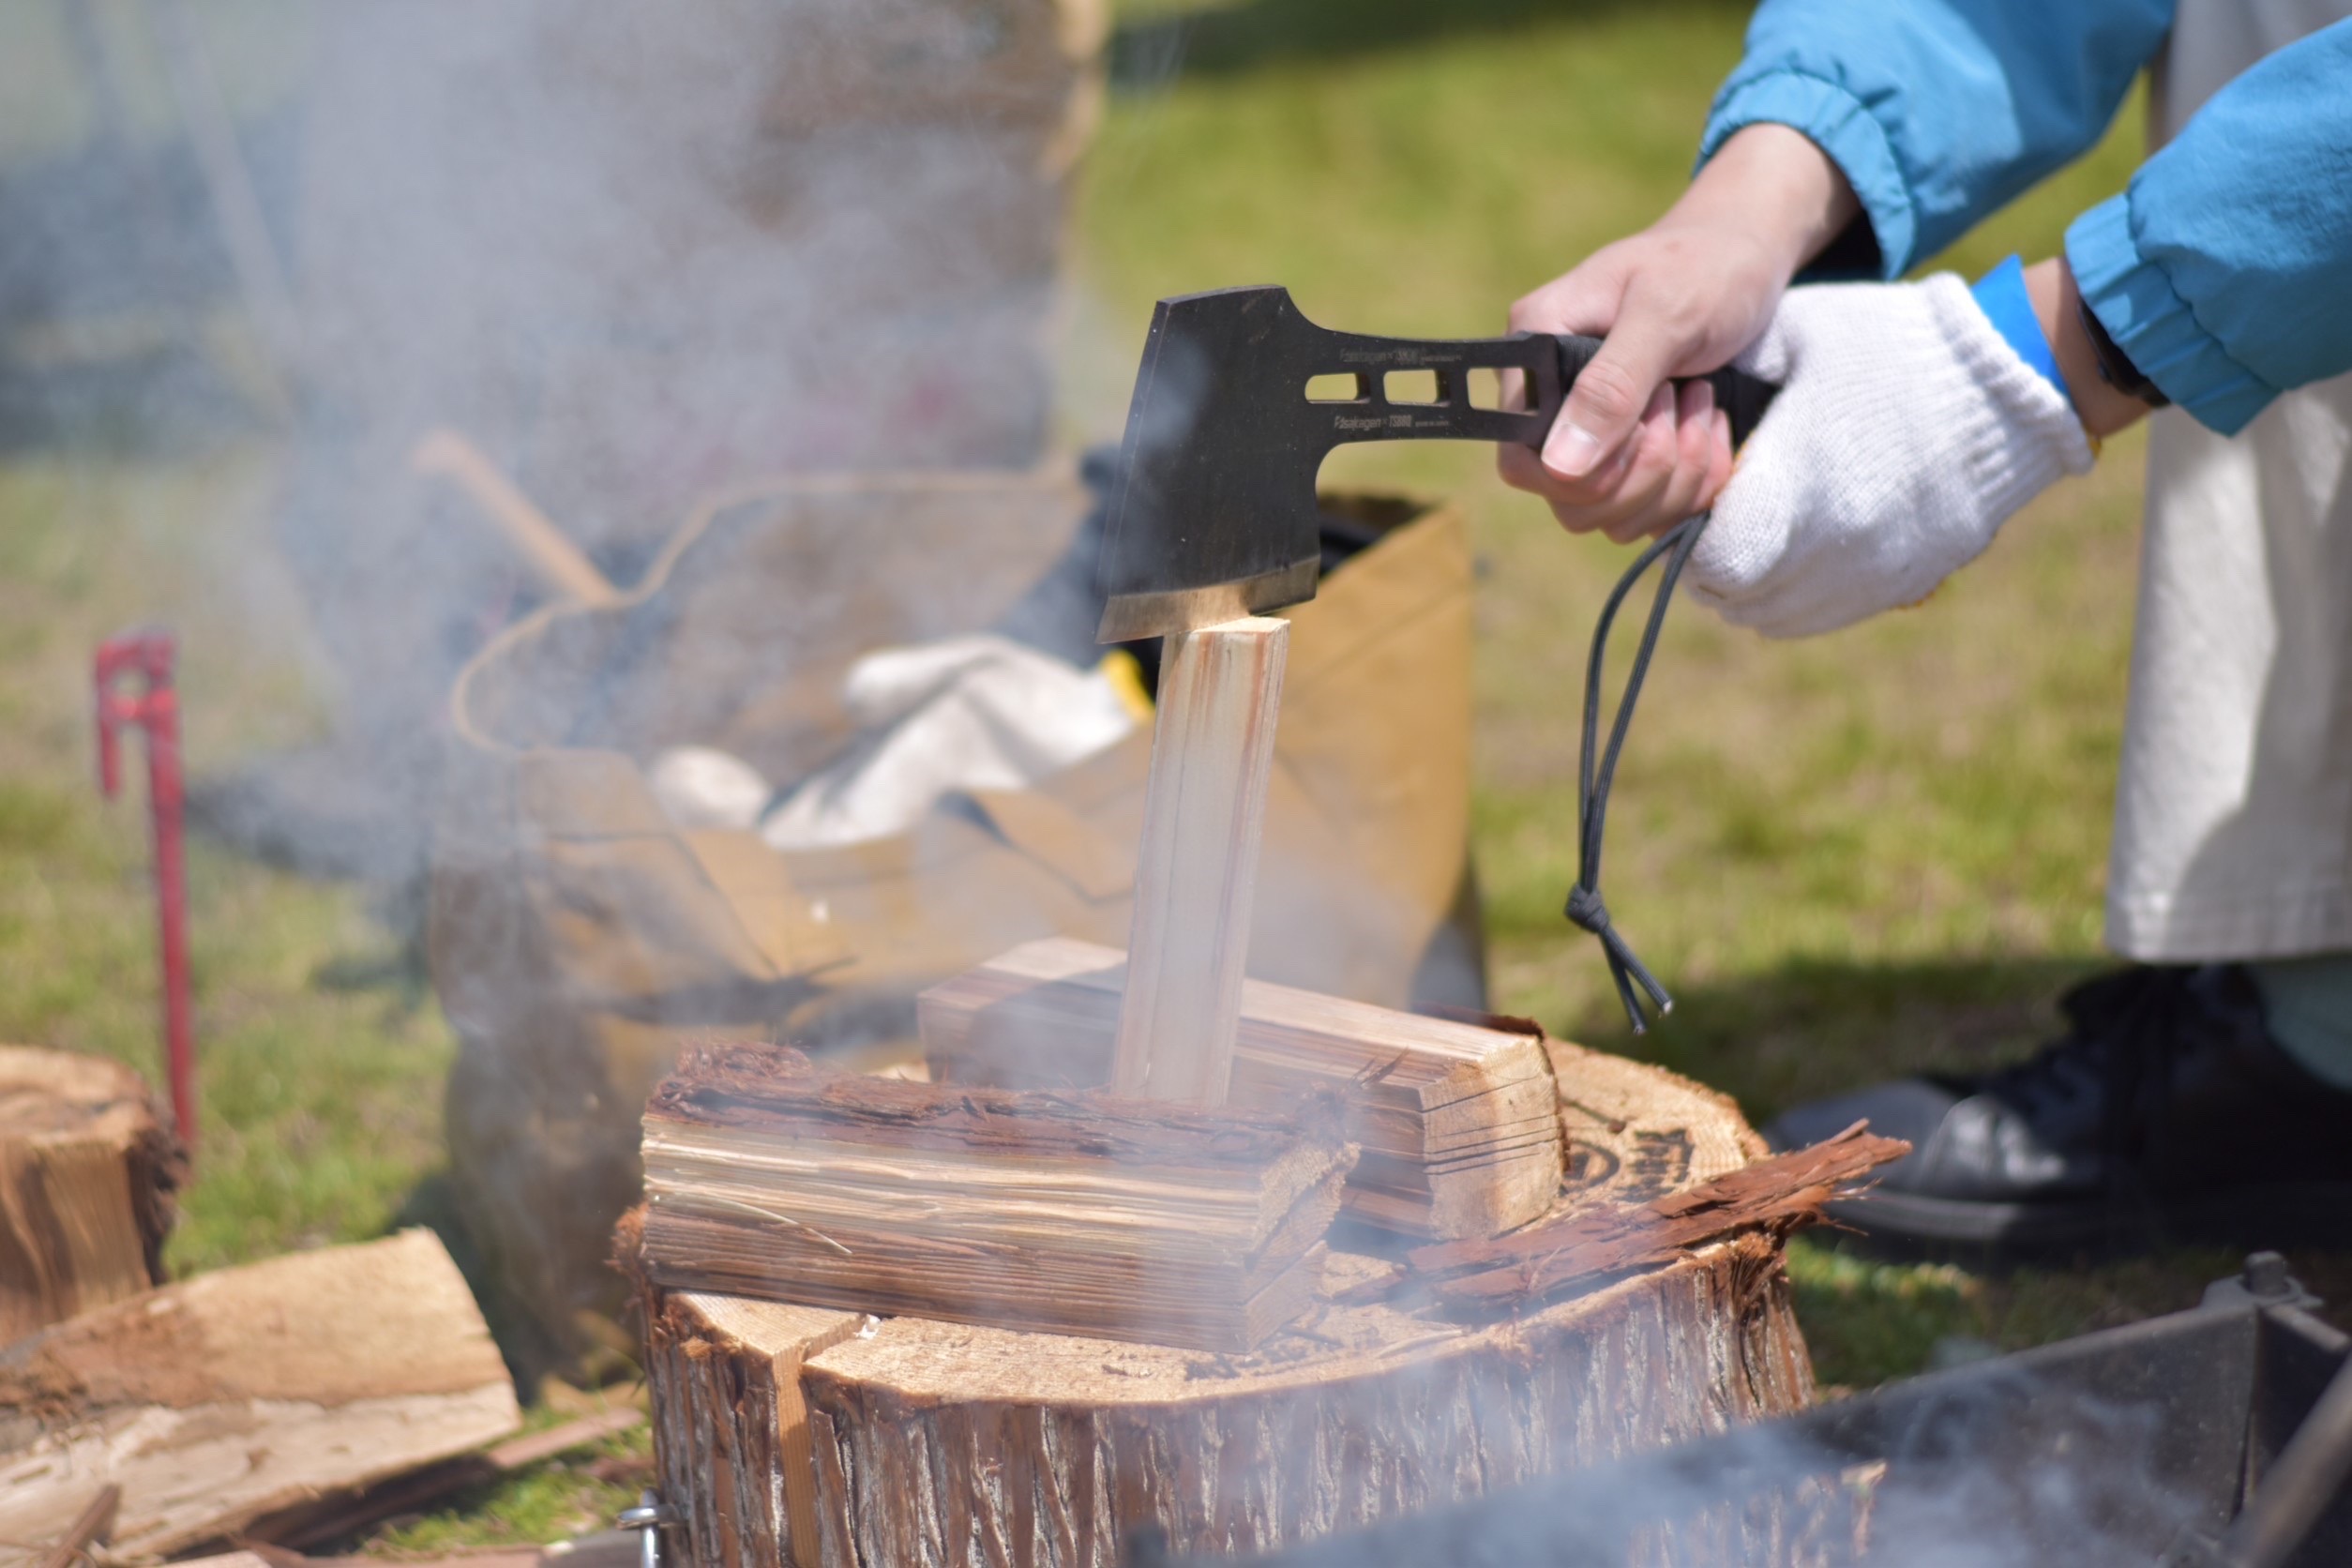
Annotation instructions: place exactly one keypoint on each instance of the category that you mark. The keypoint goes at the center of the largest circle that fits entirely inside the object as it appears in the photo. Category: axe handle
(1740, 395)
(1550, 365)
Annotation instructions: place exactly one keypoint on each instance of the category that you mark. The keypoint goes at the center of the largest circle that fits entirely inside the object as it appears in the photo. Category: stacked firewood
(1059, 1211)
(1458, 1121)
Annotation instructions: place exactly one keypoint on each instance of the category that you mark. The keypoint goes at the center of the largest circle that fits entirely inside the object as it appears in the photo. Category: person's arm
(1914, 419)
(1915, 117)
(2100, 406)
(2224, 274)
(1937, 112)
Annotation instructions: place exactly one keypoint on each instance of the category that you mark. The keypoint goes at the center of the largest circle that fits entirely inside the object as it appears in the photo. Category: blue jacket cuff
(2134, 301)
(1841, 126)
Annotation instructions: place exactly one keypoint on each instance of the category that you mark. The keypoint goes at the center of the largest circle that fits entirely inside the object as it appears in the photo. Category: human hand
(1906, 432)
(1629, 454)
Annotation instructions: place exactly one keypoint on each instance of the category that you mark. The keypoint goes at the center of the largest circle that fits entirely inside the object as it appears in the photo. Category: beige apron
(2233, 833)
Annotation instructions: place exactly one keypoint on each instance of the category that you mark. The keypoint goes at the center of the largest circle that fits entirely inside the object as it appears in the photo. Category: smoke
(2008, 1465)
(635, 254)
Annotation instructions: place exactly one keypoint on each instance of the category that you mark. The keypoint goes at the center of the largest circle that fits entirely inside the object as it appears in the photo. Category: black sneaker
(2166, 1113)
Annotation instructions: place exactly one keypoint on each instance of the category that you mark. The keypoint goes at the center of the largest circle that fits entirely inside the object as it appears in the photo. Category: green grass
(551, 1501)
(575, 1494)
(1850, 858)
(320, 1099)
(320, 1052)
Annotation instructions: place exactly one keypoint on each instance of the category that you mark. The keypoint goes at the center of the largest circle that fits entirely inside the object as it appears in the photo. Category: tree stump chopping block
(827, 1439)
(909, 1443)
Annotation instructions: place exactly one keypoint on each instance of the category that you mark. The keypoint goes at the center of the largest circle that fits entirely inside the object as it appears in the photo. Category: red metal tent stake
(146, 657)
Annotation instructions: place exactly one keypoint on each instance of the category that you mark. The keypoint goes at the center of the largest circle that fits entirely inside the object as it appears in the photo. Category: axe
(1212, 514)
(1212, 511)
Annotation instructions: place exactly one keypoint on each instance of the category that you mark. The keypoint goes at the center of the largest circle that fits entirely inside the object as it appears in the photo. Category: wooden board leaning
(222, 1401)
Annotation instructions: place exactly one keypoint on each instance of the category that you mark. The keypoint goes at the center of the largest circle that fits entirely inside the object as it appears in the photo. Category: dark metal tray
(2140, 1445)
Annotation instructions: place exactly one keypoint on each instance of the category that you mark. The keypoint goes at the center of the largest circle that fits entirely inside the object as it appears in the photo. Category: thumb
(1606, 402)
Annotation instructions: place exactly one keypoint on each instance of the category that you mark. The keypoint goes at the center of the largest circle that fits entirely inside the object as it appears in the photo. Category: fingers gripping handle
(1742, 398)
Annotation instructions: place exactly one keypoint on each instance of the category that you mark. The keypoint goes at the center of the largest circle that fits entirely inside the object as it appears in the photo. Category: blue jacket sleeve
(2226, 270)
(1938, 111)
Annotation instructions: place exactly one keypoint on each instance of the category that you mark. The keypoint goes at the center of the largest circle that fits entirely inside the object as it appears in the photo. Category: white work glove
(1906, 432)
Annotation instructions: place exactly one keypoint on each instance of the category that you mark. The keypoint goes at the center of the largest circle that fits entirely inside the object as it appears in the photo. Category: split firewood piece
(86, 1180)
(220, 1401)
(1458, 1124)
(1776, 1195)
(1205, 814)
(767, 1175)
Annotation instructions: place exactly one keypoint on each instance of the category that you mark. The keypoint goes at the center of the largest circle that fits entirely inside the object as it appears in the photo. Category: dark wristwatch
(2115, 367)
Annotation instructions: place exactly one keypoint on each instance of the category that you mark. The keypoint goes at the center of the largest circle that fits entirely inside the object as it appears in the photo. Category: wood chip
(334, 1518)
(1778, 1195)
(90, 1528)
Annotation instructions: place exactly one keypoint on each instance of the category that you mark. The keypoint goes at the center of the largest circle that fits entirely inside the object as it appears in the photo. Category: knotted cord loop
(1586, 908)
(1595, 776)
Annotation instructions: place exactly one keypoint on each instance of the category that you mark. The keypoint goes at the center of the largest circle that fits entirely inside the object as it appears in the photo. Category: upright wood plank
(1204, 815)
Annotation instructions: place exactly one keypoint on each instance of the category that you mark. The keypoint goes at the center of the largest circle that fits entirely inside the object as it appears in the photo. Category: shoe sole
(2285, 1214)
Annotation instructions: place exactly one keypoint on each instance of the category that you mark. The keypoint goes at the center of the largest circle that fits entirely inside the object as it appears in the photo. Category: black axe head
(1213, 513)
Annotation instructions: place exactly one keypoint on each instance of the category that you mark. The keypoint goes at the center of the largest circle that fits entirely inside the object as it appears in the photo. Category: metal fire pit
(2163, 1443)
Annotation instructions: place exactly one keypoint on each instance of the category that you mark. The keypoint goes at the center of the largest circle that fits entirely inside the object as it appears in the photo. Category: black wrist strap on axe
(1597, 774)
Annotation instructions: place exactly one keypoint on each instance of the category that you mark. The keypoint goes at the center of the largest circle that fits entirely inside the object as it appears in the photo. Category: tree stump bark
(87, 1181)
(819, 1438)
